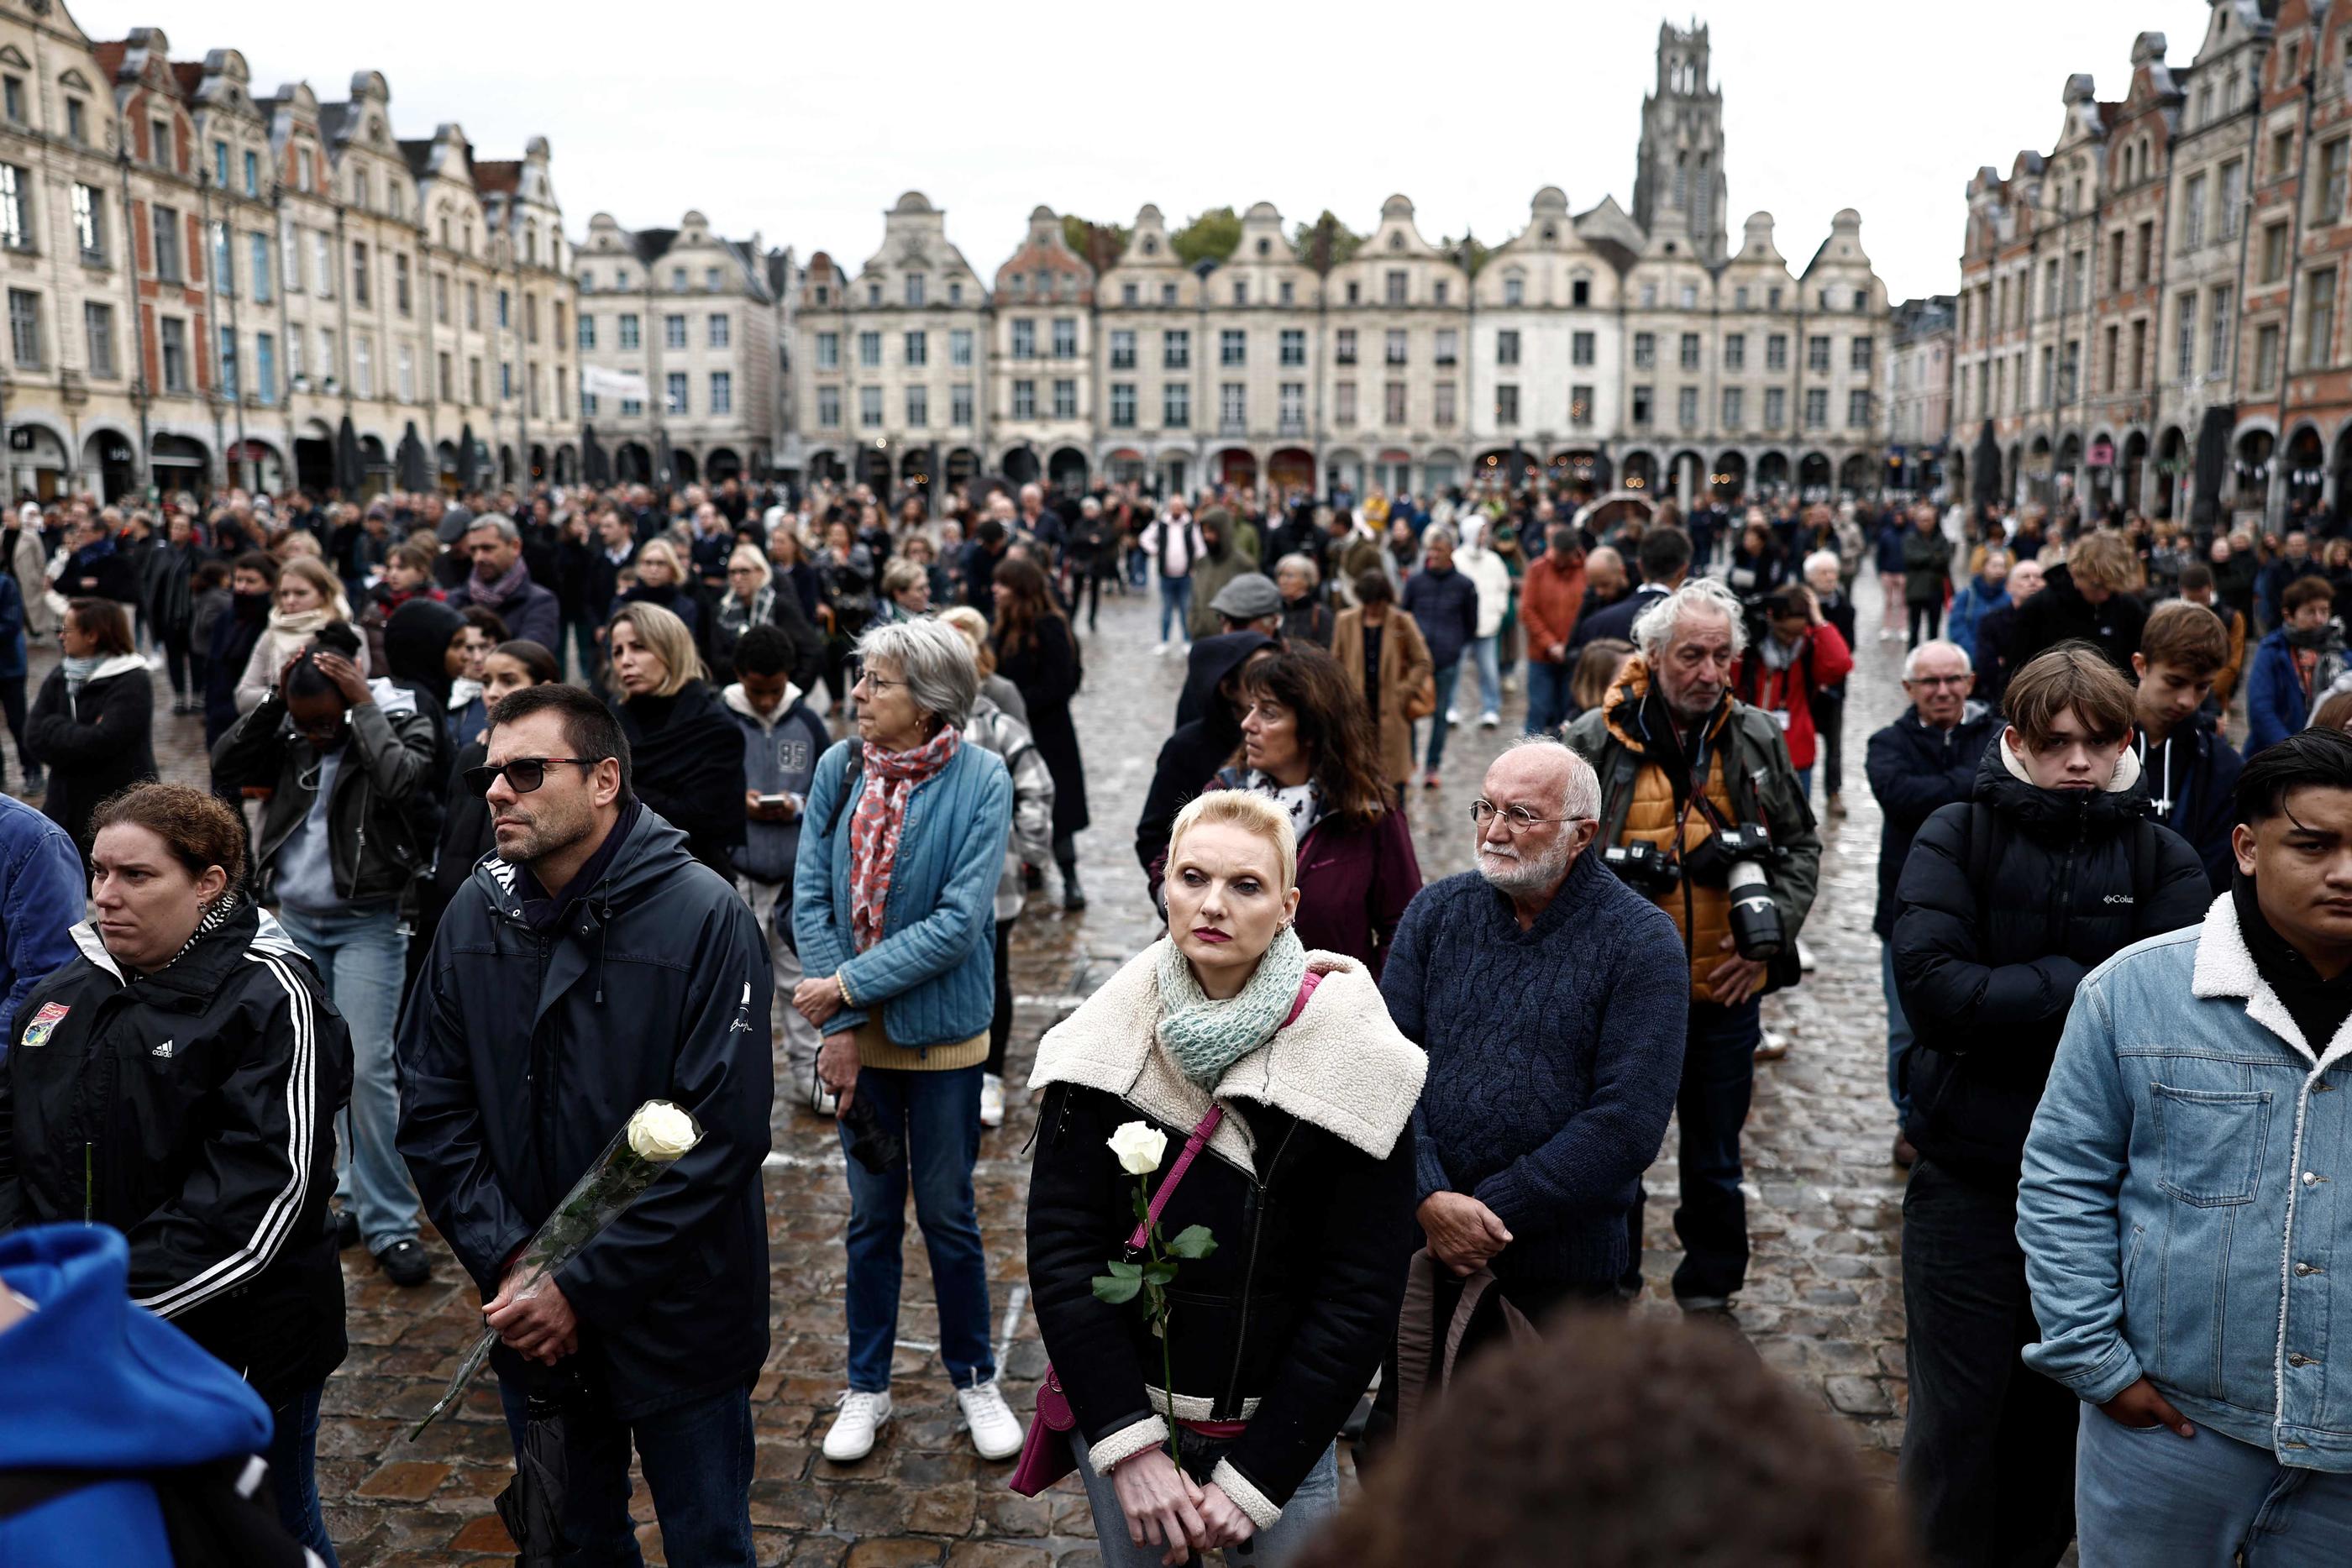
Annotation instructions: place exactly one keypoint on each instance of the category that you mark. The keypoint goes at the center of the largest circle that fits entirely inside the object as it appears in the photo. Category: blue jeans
(2146, 1495)
(1175, 605)
(1310, 1507)
(1805, 784)
(697, 1459)
(1711, 1221)
(1483, 653)
(361, 953)
(293, 1471)
(1447, 677)
(939, 1114)
(1898, 1036)
(1547, 695)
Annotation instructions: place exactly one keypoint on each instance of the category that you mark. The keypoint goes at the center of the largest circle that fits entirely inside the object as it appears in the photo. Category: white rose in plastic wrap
(1138, 1147)
(660, 1131)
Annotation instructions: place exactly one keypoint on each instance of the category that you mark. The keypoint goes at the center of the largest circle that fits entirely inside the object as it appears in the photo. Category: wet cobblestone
(1823, 1301)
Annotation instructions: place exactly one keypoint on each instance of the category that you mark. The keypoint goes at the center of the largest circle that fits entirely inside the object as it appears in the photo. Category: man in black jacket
(212, 1146)
(2006, 902)
(1924, 761)
(592, 966)
(350, 766)
(1664, 557)
(2088, 599)
(1996, 656)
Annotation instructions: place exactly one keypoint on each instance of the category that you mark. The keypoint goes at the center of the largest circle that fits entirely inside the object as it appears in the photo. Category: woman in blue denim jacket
(2186, 1209)
(893, 897)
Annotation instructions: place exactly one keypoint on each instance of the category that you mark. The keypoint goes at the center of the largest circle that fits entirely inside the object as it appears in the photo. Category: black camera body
(1642, 866)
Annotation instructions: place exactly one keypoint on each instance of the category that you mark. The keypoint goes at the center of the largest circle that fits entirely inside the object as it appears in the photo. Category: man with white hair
(1925, 760)
(1552, 1002)
(1702, 811)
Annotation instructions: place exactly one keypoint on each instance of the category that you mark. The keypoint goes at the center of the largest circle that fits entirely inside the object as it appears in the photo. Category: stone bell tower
(1679, 180)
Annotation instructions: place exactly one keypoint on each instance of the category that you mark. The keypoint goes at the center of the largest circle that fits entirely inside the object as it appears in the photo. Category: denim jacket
(933, 973)
(2180, 1209)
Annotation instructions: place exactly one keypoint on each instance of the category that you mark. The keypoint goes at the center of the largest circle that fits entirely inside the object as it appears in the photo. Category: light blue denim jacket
(2186, 1210)
(933, 973)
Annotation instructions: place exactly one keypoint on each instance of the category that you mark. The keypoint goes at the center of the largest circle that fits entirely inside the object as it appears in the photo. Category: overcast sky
(805, 121)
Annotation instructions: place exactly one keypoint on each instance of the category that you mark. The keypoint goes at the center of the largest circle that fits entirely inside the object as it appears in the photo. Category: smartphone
(775, 800)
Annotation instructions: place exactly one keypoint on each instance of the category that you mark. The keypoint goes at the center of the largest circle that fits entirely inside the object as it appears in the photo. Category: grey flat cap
(1248, 596)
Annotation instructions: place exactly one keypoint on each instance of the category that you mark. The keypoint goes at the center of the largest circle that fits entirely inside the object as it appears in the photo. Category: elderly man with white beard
(1553, 1002)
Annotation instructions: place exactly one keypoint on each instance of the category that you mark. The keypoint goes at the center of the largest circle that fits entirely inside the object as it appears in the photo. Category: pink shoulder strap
(1201, 1135)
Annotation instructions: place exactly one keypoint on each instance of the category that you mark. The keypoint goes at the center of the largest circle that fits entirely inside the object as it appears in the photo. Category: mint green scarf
(1205, 1037)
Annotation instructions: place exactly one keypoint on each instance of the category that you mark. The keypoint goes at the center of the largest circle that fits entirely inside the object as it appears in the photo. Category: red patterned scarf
(890, 779)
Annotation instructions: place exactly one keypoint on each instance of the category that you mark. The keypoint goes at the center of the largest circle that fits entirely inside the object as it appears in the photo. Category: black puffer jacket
(2060, 614)
(1283, 1323)
(193, 1110)
(1987, 972)
(1915, 772)
(524, 1046)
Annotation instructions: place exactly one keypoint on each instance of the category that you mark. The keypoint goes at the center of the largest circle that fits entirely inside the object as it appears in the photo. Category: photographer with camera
(1702, 811)
(2007, 900)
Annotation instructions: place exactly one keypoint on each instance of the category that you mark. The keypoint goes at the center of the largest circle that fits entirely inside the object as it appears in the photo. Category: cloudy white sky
(804, 122)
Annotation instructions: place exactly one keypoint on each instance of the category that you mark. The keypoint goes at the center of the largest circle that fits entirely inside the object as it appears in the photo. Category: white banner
(597, 381)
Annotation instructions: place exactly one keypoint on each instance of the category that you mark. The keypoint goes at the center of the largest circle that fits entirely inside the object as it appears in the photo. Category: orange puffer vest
(1703, 914)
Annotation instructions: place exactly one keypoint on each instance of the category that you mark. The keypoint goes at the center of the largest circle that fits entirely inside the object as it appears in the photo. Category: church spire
(1678, 183)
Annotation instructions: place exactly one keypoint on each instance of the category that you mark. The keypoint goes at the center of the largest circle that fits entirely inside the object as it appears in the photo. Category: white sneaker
(1453, 715)
(1773, 1047)
(991, 1099)
(1159, 650)
(996, 1430)
(1806, 962)
(1489, 720)
(862, 1415)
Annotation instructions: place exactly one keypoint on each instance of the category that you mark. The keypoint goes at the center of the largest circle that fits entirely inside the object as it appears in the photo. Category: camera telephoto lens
(1756, 929)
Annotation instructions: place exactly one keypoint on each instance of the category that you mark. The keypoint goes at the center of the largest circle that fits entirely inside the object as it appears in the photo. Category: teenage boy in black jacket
(2191, 772)
(2006, 902)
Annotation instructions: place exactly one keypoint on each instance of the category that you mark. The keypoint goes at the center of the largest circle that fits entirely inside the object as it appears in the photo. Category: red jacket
(1550, 599)
(1789, 694)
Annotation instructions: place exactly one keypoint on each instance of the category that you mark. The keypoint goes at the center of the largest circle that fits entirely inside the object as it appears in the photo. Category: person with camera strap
(1702, 811)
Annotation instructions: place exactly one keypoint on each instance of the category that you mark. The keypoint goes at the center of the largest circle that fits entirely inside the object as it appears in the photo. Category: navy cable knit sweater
(1554, 1058)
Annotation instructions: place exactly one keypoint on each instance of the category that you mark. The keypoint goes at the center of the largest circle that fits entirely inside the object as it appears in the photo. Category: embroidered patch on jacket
(45, 1022)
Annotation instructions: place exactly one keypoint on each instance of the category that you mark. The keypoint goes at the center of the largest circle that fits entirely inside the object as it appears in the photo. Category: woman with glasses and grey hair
(894, 917)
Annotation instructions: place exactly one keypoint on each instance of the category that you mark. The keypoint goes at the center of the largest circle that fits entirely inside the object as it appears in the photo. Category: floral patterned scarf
(890, 779)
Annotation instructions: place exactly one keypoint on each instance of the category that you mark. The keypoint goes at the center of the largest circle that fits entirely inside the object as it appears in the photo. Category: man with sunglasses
(350, 825)
(1552, 1000)
(592, 964)
(1925, 760)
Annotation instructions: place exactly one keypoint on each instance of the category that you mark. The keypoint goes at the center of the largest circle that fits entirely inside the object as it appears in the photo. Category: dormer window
(1550, 232)
(1151, 246)
(1396, 241)
(1265, 247)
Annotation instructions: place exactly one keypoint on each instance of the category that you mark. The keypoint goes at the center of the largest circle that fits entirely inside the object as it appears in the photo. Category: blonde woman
(661, 582)
(308, 596)
(1305, 1182)
(686, 754)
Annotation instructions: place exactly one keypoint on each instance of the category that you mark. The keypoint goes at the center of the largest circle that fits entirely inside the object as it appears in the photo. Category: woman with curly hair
(1306, 745)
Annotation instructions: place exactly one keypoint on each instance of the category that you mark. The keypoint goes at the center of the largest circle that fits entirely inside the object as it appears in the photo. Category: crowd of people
(525, 809)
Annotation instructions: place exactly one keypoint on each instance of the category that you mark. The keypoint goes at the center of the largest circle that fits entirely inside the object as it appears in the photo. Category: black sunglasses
(524, 774)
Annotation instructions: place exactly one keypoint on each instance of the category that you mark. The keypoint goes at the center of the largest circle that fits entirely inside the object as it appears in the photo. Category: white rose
(1138, 1147)
(660, 1131)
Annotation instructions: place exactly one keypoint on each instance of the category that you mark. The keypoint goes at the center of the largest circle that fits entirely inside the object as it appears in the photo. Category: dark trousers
(1988, 1449)
(176, 654)
(1711, 1220)
(1933, 614)
(1829, 727)
(12, 702)
(293, 1471)
(698, 1464)
(1000, 1023)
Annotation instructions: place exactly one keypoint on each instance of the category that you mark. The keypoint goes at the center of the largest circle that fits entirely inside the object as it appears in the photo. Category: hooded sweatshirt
(89, 1382)
(780, 753)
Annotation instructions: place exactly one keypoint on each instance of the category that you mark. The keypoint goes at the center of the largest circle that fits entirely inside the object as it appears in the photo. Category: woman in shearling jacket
(1306, 1184)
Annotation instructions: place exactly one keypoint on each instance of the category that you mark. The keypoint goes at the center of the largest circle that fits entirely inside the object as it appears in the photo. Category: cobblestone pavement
(1823, 1303)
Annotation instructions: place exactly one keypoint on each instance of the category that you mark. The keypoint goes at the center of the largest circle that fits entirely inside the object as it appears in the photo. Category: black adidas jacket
(194, 1111)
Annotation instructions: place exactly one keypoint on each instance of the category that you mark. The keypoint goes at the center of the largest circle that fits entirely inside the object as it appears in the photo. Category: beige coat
(1404, 665)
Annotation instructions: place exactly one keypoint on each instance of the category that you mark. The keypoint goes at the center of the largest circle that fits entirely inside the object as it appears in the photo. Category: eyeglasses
(523, 775)
(859, 675)
(1932, 682)
(1516, 819)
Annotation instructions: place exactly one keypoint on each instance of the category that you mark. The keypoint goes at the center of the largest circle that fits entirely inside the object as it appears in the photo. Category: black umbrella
(595, 466)
(532, 1506)
(468, 459)
(2212, 464)
(1984, 462)
(411, 460)
(349, 472)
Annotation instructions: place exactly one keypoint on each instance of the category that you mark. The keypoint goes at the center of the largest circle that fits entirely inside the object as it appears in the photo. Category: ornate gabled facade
(210, 305)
